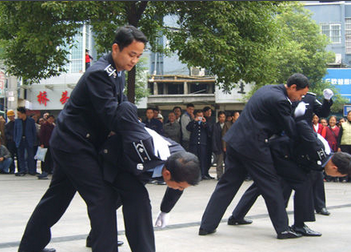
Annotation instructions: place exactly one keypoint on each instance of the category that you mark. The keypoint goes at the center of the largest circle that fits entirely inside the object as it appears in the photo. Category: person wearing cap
(81, 128)
(10, 143)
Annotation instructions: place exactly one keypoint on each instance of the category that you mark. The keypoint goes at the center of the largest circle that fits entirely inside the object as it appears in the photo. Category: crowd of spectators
(197, 131)
(20, 139)
(338, 135)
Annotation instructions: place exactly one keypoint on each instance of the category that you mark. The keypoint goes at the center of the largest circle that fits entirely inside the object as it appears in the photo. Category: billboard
(341, 79)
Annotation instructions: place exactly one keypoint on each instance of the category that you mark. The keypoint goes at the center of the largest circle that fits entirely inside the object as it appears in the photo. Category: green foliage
(33, 38)
(302, 47)
(228, 38)
(141, 89)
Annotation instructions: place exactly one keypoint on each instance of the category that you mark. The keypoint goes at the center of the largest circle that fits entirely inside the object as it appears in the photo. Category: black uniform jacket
(314, 106)
(91, 111)
(268, 112)
(294, 159)
(114, 160)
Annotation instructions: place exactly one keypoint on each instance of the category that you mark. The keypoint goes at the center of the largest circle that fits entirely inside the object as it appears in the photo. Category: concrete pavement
(19, 196)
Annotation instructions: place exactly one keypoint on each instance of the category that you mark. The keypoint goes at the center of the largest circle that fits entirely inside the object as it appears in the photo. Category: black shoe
(287, 234)
(305, 231)
(205, 232)
(44, 175)
(20, 174)
(43, 250)
(323, 211)
(205, 178)
(88, 243)
(48, 250)
(232, 221)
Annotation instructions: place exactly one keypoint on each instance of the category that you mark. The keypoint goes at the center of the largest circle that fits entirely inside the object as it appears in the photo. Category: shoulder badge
(310, 93)
(111, 71)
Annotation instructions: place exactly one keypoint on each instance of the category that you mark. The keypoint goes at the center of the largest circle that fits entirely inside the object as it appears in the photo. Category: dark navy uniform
(81, 128)
(268, 112)
(321, 110)
(294, 162)
(198, 143)
(128, 173)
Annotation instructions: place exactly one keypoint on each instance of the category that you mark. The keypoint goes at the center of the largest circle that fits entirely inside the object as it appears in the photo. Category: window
(332, 31)
(348, 35)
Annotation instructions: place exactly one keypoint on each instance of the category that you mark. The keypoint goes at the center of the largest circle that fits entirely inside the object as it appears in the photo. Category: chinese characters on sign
(43, 99)
(64, 97)
(335, 81)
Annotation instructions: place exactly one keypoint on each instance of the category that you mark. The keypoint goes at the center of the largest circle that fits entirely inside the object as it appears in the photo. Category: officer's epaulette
(111, 71)
(310, 93)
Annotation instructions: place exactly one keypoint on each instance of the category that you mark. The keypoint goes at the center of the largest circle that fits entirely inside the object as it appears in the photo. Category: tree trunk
(131, 85)
(134, 11)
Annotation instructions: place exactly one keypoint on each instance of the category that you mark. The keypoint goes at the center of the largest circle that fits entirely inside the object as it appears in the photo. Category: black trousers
(267, 181)
(318, 190)
(201, 152)
(303, 201)
(137, 213)
(11, 146)
(74, 172)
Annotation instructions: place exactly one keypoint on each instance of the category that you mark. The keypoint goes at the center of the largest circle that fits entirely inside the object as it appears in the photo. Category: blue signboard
(347, 108)
(341, 79)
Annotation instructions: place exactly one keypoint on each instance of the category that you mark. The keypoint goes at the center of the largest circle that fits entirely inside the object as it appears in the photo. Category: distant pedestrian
(24, 137)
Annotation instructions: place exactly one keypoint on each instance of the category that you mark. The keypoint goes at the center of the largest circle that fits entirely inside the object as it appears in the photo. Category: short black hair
(127, 34)
(49, 116)
(206, 108)
(184, 167)
(190, 105)
(221, 113)
(174, 108)
(198, 111)
(22, 110)
(342, 160)
(300, 80)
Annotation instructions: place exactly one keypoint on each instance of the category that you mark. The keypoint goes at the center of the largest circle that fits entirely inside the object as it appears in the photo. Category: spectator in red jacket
(318, 127)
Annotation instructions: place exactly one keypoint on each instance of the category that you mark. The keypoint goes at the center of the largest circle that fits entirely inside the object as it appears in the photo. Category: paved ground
(19, 196)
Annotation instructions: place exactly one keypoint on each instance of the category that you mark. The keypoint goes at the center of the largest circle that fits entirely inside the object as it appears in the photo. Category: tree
(34, 47)
(227, 38)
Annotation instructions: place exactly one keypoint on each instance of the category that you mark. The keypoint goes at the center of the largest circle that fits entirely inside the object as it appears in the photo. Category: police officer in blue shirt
(82, 127)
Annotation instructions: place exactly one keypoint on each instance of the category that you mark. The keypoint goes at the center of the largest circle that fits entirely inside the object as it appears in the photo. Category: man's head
(171, 117)
(199, 113)
(127, 47)
(21, 113)
(349, 116)
(339, 165)
(190, 108)
(207, 111)
(51, 119)
(177, 111)
(181, 170)
(156, 112)
(11, 115)
(149, 113)
(236, 115)
(221, 117)
(297, 86)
